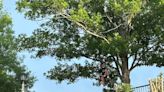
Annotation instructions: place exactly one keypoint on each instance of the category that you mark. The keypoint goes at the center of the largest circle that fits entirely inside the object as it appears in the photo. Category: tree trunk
(125, 70)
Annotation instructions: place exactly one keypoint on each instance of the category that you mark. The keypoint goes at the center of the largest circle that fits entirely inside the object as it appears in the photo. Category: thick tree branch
(118, 59)
(118, 67)
(83, 27)
(92, 33)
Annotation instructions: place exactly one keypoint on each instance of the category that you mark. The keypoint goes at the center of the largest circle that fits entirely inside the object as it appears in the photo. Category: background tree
(10, 65)
(116, 35)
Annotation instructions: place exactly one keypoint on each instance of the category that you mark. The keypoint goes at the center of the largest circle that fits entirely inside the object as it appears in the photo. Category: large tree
(10, 65)
(116, 35)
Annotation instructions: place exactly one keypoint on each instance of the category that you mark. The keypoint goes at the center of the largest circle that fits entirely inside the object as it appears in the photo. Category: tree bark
(125, 70)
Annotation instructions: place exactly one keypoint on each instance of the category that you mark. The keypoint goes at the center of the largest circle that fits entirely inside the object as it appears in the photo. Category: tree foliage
(117, 35)
(124, 88)
(10, 65)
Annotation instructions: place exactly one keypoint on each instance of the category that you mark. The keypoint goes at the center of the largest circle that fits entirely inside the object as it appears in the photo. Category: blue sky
(139, 76)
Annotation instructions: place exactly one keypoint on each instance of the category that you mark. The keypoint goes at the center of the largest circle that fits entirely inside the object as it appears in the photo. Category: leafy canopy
(117, 35)
(10, 65)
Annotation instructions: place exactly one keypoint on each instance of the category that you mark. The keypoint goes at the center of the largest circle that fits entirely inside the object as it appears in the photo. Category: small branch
(95, 59)
(134, 61)
(110, 20)
(137, 64)
(112, 29)
(42, 19)
(87, 56)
